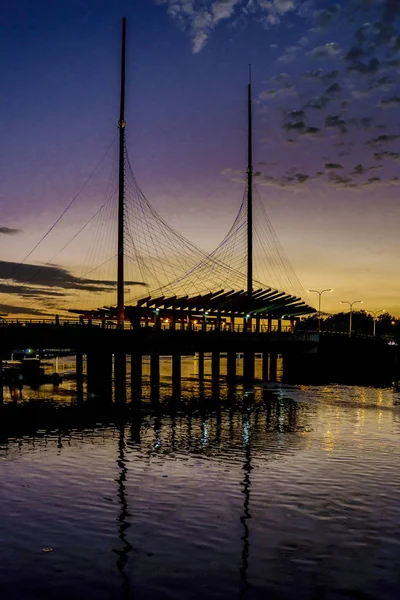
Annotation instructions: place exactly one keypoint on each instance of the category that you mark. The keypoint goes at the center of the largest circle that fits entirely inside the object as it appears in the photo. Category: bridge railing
(182, 326)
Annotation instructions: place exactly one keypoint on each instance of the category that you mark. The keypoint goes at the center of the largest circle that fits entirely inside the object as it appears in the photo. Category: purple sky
(326, 136)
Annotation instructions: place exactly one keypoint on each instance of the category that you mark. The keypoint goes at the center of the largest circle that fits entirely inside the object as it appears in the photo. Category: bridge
(195, 302)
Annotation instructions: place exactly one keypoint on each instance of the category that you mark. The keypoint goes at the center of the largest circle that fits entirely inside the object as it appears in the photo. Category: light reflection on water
(297, 497)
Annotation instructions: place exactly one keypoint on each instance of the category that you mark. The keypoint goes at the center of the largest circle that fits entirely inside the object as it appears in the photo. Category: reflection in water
(324, 461)
(246, 505)
(123, 522)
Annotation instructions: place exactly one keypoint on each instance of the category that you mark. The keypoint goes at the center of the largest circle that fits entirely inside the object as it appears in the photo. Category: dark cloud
(21, 310)
(336, 121)
(326, 16)
(331, 165)
(318, 102)
(365, 68)
(294, 126)
(372, 180)
(383, 139)
(340, 180)
(384, 83)
(360, 169)
(301, 177)
(392, 102)
(296, 114)
(333, 89)
(354, 54)
(55, 277)
(320, 75)
(386, 154)
(311, 131)
(9, 231)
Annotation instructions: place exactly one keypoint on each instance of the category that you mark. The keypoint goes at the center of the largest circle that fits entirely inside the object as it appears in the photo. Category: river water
(296, 496)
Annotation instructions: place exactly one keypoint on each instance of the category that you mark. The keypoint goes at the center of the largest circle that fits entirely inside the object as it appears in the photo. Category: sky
(326, 108)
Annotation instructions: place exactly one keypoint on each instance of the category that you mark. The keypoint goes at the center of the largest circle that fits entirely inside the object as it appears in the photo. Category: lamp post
(351, 311)
(374, 313)
(319, 304)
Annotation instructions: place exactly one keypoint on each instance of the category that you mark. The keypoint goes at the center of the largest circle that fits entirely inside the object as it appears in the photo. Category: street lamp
(351, 311)
(319, 304)
(374, 313)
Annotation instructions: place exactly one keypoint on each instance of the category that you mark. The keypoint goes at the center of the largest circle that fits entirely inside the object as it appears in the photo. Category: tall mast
(121, 185)
(249, 192)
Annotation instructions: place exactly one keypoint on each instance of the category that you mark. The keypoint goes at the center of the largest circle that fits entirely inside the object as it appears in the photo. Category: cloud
(360, 169)
(386, 154)
(331, 165)
(9, 231)
(383, 139)
(336, 121)
(290, 54)
(295, 114)
(328, 50)
(383, 83)
(318, 102)
(365, 68)
(21, 310)
(321, 75)
(200, 18)
(51, 276)
(325, 17)
(393, 102)
(294, 126)
(333, 89)
(311, 132)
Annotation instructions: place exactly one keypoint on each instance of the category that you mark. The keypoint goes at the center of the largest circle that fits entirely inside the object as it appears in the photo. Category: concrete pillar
(215, 364)
(120, 377)
(248, 366)
(257, 324)
(99, 374)
(231, 367)
(200, 359)
(232, 322)
(136, 378)
(265, 375)
(279, 325)
(176, 374)
(154, 377)
(273, 362)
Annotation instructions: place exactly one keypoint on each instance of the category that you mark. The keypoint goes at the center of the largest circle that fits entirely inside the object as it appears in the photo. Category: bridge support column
(273, 363)
(231, 368)
(154, 377)
(248, 366)
(79, 375)
(120, 377)
(136, 378)
(265, 375)
(200, 358)
(215, 365)
(99, 374)
(176, 375)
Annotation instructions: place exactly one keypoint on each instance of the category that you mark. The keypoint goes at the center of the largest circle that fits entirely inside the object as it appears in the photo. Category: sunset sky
(326, 137)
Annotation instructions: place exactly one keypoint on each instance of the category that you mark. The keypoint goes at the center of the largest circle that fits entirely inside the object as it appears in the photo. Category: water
(296, 497)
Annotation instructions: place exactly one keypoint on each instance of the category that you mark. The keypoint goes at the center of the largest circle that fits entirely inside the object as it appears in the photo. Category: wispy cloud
(9, 231)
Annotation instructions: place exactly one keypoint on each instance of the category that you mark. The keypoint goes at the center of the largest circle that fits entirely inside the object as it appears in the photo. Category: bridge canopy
(262, 303)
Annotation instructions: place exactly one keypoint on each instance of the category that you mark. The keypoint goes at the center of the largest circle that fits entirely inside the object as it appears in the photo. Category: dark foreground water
(295, 497)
